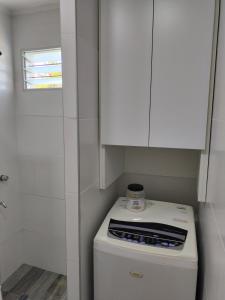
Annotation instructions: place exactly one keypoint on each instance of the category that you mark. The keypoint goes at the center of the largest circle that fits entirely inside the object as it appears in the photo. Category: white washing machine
(150, 255)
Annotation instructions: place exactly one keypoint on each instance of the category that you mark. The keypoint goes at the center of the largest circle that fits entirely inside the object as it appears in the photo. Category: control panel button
(164, 244)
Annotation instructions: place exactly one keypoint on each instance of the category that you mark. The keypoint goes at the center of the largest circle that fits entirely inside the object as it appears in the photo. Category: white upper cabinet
(125, 71)
(155, 61)
(182, 48)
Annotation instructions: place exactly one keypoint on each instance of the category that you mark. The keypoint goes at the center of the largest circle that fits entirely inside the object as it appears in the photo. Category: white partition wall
(68, 41)
(93, 202)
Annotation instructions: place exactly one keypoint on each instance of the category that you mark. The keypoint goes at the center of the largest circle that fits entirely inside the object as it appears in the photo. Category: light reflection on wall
(170, 15)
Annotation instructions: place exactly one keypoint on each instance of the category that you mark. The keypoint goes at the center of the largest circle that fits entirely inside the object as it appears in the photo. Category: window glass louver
(42, 69)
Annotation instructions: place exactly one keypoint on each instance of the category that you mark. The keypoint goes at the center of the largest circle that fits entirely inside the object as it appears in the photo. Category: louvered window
(42, 69)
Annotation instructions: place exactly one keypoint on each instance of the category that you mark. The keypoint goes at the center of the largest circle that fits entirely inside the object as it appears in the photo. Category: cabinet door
(125, 71)
(182, 47)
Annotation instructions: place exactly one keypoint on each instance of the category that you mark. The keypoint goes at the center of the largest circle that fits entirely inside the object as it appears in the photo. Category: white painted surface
(162, 162)
(212, 214)
(182, 49)
(125, 71)
(163, 188)
(10, 218)
(112, 161)
(41, 149)
(167, 174)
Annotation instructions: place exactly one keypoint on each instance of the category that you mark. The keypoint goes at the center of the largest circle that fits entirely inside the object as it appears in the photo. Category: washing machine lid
(163, 229)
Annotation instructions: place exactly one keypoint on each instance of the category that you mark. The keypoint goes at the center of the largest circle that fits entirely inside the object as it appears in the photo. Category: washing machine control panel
(150, 234)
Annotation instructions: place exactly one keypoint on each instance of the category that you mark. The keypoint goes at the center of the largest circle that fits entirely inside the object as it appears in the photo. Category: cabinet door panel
(125, 71)
(182, 47)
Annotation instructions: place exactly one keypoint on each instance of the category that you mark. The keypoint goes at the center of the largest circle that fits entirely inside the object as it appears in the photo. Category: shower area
(33, 252)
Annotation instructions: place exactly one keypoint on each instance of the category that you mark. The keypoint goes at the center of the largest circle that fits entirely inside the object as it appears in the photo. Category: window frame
(22, 51)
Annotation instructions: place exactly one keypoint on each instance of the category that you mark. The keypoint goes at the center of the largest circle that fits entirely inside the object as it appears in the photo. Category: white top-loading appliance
(150, 255)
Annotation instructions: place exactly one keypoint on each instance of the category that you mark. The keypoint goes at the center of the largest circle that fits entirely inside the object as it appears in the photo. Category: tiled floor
(31, 283)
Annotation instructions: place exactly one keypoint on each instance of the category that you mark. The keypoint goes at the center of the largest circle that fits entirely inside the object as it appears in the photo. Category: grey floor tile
(15, 277)
(31, 283)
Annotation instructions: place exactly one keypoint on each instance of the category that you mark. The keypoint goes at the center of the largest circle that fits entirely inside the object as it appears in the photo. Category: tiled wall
(68, 38)
(93, 203)
(10, 218)
(167, 174)
(212, 215)
(40, 147)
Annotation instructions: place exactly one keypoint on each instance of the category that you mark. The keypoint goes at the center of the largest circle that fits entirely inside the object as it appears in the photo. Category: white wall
(212, 215)
(41, 148)
(68, 36)
(10, 218)
(167, 174)
(93, 203)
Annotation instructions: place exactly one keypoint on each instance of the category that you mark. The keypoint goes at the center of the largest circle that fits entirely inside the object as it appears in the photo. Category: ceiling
(20, 4)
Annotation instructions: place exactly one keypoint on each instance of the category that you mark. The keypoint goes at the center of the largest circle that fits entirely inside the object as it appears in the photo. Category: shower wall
(10, 217)
(40, 147)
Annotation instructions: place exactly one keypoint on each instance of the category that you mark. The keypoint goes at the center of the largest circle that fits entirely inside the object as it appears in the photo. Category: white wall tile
(88, 133)
(68, 29)
(36, 30)
(11, 255)
(44, 215)
(87, 66)
(27, 174)
(73, 280)
(45, 251)
(49, 177)
(72, 226)
(46, 25)
(10, 218)
(40, 136)
(43, 176)
(87, 21)
(44, 102)
(41, 148)
(67, 13)
(71, 155)
(69, 75)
